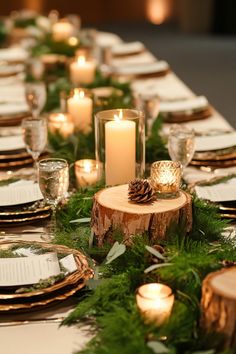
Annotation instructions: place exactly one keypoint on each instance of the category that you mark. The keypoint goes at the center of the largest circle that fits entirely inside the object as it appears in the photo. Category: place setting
(216, 149)
(37, 274)
(187, 110)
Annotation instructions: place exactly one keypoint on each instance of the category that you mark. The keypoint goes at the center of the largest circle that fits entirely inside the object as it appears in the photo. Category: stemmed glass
(35, 94)
(181, 144)
(35, 135)
(53, 183)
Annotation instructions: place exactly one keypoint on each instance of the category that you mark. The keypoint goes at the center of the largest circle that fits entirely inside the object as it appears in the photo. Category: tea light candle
(87, 172)
(81, 107)
(61, 123)
(155, 302)
(120, 150)
(82, 71)
(61, 31)
(166, 178)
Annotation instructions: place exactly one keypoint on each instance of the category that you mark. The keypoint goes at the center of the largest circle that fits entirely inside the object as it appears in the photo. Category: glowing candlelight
(155, 302)
(87, 172)
(82, 71)
(80, 106)
(166, 178)
(119, 150)
(61, 123)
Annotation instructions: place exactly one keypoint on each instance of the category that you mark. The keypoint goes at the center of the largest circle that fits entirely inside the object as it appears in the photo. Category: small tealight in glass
(61, 123)
(166, 178)
(87, 172)
(155, 302)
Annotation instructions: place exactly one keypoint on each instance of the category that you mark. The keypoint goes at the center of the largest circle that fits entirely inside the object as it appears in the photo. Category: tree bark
(218, 305)
(112, 210)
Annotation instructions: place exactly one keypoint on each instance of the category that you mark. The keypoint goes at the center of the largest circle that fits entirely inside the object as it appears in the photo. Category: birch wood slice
(218, 305)
(112, 210)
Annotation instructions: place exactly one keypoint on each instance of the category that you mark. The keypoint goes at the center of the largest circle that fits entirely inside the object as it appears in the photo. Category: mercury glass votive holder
(166, 178)
(87, 172)
(155, 302)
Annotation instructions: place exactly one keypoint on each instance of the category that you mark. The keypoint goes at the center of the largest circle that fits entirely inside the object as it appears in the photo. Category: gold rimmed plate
(21, 212)
(16, 155)
(217, 155)
(187, 117)
(219, 164)
(37, 304)
(16, 163)
(13, 119)
(26, 220)
(61, 290)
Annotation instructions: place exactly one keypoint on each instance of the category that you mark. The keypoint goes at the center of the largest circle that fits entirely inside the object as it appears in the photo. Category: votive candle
(61, 123)
(61, 31)
(166, 178)
(87, 172)
(155, 302)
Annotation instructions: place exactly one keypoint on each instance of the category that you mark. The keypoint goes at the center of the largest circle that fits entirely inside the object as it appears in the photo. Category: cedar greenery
(110, 301)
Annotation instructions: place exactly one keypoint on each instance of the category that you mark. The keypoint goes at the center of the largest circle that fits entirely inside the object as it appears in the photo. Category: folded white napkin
(11, 143)
(168, 87)
(216, 142)
(137, 59)
(143, 69)
(13, 108)
(127, 48)
(194, 103)
(13, 54)
(12, 93)
(11, 69)
(20, 193)
(107, 39)
(219, 192)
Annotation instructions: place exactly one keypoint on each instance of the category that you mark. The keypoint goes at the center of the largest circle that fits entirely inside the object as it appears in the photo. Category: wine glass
(35, 94)
(53, 183)
(35, 134)
(181, 144)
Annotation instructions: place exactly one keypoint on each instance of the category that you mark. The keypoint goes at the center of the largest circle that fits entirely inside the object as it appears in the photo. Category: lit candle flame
(79, 93)
(81, 60)
(87, 166)
(61, 117)
(119, 117)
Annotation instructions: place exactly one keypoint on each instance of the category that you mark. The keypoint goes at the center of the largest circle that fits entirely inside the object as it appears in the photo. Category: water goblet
(35, 94)
(181, 144)
(53, 183)
(35, 134)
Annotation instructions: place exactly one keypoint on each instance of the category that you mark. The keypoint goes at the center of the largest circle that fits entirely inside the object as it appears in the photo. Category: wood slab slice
(218, 305)
(112, 210)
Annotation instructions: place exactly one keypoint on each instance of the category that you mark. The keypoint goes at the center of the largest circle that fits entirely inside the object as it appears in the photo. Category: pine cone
(140, 191)
(227, 263)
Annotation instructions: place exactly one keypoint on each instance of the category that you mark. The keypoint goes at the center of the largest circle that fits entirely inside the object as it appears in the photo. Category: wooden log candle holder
(112, 210)
(218, 305)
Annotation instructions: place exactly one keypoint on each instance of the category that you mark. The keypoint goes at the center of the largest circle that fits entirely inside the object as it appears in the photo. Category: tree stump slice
(218, 305)
(112, 210)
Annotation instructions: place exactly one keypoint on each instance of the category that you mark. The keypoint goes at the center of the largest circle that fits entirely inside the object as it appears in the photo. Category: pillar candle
(82, 71)
(80, 107)
(61, 31)
(119, 151)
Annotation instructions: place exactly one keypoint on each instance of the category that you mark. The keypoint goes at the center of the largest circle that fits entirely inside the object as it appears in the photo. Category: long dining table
(36, 335)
